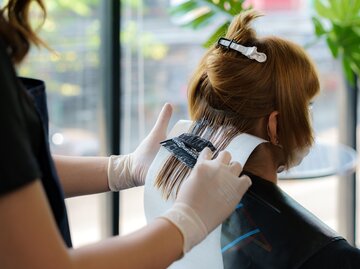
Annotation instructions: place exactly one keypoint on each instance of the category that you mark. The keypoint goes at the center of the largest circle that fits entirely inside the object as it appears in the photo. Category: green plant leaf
(339, 9)
(357, 29)
(322, 10)
(348, 9)
(236, 7)
(341, 31)
(183, 8)
(219, 32)
(355, 62)
(345, 8)
(351, 42)
(349, 74)
(332, 46)
(200, 13)
(355, 10)
(347, 37)
(319, 29)
(202, 20)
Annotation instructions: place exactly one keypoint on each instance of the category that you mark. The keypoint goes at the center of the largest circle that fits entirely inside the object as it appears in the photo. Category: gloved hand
(126, 171)
(207, 197)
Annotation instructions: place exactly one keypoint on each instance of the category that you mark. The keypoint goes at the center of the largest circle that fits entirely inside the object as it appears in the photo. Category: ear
(272, 127)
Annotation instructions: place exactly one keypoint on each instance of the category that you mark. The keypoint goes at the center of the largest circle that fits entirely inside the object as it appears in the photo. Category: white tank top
(207, 254)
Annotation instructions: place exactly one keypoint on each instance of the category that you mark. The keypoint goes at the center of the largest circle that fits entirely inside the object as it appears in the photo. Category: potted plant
(338, 22)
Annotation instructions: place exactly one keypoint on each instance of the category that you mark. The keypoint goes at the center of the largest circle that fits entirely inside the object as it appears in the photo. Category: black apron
(50, 180)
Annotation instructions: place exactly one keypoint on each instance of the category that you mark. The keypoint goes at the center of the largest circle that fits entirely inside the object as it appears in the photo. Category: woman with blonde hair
(250, 95)
(34, 230)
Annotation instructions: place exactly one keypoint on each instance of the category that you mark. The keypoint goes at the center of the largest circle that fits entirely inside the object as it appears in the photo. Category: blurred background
(158, 55)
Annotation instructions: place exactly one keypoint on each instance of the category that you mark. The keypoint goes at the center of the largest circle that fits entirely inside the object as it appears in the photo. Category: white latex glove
(207, 197)
(127, 171)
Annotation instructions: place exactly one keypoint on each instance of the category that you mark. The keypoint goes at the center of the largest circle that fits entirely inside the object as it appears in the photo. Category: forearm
(40, 246)
(155, 246)
(82, 175)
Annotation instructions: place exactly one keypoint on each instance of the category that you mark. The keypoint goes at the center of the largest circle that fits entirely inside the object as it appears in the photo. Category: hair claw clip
(250, 52)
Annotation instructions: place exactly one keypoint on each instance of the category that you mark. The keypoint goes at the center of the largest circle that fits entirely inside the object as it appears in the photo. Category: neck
(264, 162)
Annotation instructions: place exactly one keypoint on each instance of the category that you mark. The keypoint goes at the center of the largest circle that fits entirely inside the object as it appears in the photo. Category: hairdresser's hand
(145, 153)
(207, 197)
(130, 170)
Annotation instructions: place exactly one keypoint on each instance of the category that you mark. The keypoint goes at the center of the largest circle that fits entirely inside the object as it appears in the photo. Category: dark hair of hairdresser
(16, 29)
(232, 94)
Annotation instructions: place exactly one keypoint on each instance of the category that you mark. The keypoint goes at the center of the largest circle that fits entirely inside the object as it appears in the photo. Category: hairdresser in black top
(34, 231)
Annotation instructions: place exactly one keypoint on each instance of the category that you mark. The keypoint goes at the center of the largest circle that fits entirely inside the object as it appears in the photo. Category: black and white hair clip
(187, 147)
(250, 52)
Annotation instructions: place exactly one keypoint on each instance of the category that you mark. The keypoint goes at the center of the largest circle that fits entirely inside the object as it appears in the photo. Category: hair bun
(240, 28)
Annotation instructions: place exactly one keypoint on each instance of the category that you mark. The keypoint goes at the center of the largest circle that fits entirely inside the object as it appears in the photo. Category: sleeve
(336, 255)
(18, 165)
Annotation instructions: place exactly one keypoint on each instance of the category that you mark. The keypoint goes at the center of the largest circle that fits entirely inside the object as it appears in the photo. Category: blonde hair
(231, 92)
